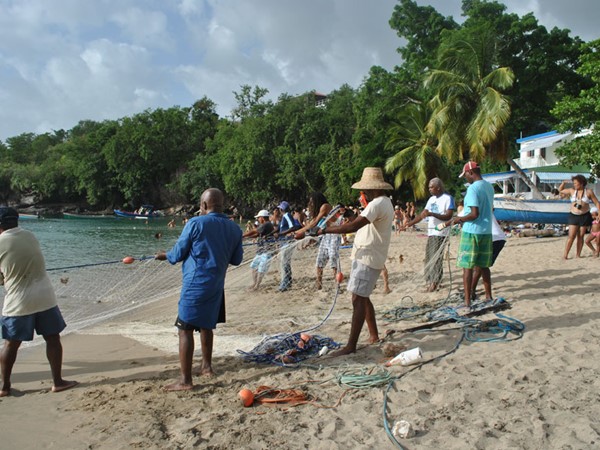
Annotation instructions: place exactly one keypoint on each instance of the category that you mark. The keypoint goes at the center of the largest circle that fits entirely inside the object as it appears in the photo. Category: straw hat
(372, 179)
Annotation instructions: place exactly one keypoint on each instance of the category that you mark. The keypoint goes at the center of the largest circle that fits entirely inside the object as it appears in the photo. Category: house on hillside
(320, 100)
(539, 162)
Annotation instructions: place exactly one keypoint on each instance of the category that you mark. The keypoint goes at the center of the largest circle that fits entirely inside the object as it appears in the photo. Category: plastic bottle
(406, 358)
(440, 226)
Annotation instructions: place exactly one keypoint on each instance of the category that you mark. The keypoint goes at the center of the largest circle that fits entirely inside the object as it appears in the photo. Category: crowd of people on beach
(210, 242)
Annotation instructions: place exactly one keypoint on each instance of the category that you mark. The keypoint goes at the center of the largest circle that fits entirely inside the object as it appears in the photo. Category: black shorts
(580, 220)
(497, 247)
(185, 326)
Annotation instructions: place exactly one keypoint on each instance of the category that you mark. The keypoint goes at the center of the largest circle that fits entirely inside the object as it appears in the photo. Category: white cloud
(148, 28)
(66, 60)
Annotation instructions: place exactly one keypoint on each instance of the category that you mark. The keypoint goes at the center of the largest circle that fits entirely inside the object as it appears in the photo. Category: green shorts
(474, 250)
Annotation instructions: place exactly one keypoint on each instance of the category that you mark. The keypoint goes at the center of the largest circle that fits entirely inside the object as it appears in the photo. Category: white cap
(262, 213)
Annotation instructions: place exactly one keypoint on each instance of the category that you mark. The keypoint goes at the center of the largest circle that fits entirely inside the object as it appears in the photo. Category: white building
(540, 163)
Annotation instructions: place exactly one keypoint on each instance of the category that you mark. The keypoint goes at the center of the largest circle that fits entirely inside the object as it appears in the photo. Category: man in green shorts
(475, 249)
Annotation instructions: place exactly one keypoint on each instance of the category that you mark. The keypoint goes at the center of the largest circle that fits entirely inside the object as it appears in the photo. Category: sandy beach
(538, 392)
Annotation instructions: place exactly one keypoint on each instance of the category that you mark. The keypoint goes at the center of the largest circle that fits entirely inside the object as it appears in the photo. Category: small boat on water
(86, 216)
(144, 212)
(508, 209)
(28, 216)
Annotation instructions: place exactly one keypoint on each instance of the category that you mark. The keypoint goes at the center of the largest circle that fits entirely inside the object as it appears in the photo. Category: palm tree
(470, 109)
(417, 161)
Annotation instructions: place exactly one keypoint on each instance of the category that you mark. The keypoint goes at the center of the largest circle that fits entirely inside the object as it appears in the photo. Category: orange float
(339, 277)
(128, 260)
(247, 397)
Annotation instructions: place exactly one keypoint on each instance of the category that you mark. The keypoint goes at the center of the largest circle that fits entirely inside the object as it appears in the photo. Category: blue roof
(537, 136)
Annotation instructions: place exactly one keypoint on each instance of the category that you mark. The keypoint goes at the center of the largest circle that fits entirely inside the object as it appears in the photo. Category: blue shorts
(45, 323)
(261, 262)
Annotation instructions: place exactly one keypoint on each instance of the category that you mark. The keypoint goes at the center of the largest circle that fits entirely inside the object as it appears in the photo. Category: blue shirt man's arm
(238, 254)
(182, 247)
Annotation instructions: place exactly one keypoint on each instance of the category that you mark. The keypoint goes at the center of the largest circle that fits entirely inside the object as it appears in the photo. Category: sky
(62, 61)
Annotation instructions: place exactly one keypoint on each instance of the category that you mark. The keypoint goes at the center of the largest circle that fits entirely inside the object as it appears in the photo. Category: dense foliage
(268, 151)
(583, 112)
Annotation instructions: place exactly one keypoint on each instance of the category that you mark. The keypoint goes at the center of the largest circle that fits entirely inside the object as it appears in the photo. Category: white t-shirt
(438, 205)
(497, 232)
(23, 273)
(372, 241)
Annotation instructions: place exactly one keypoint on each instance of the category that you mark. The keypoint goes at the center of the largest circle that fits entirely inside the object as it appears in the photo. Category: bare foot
(374, 340)
(342, 351)
(64, 385)
(319, 286)
(206, 371)
(387, 290)
(5, 392)
(178, 387)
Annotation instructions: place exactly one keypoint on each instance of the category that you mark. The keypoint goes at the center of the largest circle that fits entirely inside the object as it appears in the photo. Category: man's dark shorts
(186, 326)
(45, 323)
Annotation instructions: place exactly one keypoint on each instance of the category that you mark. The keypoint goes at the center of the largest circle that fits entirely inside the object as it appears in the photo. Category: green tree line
(459, 91)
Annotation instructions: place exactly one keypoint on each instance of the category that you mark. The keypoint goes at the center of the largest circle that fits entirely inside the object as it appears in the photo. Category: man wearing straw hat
(373, 229)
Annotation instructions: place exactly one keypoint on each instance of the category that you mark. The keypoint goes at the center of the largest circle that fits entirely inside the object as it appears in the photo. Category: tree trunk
(535, 192)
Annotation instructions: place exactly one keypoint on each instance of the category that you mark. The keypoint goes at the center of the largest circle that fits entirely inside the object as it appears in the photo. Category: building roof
(542, 142)
(536, 136)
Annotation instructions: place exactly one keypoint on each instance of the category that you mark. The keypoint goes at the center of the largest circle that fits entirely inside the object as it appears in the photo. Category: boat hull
(131, 215)
(85, 216)
(532, 211)
(28, 216)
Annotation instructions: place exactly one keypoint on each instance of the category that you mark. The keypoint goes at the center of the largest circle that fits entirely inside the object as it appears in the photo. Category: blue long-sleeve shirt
(207, 245)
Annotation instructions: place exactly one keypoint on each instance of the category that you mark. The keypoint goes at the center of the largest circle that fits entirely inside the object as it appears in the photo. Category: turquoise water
(67, 242)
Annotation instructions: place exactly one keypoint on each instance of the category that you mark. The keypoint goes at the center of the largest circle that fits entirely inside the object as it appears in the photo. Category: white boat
(511, 209)
(28, 216)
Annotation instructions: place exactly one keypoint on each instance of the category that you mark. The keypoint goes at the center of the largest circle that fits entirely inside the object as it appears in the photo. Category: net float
(128, 260)
(339, 277)
(247, 397)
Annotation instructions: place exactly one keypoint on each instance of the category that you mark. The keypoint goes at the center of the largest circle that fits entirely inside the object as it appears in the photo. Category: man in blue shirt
(207, 245)
(475, 248)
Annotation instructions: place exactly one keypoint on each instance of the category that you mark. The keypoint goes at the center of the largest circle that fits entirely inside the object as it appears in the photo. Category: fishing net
(91, 294)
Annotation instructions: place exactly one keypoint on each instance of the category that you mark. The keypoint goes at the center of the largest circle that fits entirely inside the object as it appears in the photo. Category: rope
(291, 397)
(364, 380)
(495, 330)
(79, 266)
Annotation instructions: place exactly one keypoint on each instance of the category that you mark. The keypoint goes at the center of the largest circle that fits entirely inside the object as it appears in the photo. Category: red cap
(468, 166)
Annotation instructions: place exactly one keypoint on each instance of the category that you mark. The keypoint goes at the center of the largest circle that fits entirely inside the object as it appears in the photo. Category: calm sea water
(68, 242)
